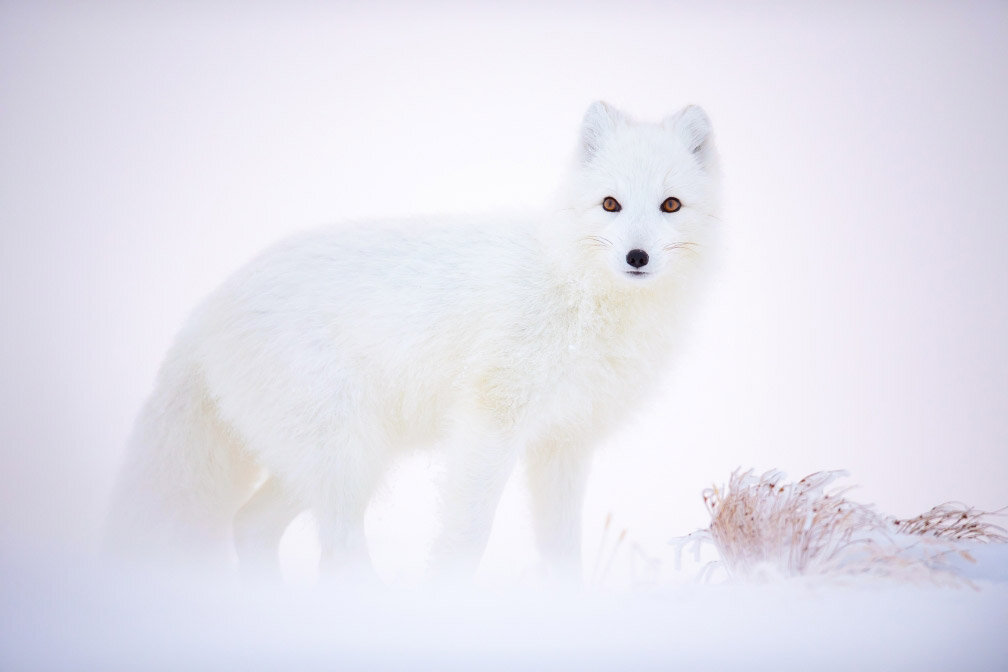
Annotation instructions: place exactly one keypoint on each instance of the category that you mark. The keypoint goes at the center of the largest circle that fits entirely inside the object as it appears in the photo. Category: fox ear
(693, 128)
(600, 120)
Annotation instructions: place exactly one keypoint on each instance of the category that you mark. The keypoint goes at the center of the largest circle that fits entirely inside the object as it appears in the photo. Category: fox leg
(340, 504)
(557, 473)
(343, 544)
(478, 470)
(259, 526)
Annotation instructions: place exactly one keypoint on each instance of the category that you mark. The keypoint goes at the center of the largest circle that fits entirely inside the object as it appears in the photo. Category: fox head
(642, 196)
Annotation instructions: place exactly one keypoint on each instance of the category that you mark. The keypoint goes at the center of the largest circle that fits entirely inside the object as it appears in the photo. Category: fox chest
(574, 384)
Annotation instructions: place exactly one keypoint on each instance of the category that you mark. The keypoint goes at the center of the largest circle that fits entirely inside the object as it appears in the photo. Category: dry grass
(954, 521)
(765, 525)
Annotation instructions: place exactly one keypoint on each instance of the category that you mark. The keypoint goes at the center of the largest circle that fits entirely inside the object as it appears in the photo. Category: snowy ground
(63, 618)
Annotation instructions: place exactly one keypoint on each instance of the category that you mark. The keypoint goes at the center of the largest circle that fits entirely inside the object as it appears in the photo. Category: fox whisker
(597, 241)
(685, 245)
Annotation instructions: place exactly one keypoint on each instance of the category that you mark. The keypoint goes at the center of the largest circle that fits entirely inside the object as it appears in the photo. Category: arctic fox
(496, 338)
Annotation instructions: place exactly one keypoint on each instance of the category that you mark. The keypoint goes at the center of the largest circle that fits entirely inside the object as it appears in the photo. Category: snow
(81, 619)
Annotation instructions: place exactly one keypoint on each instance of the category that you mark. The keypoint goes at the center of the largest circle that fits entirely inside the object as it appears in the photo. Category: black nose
(637, 258)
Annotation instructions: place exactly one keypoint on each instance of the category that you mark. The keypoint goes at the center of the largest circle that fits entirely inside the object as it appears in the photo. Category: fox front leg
(478, 469)
(557, 473)
(259, 526)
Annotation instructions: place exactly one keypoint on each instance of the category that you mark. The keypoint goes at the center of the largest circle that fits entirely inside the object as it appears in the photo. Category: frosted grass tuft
(766, 526)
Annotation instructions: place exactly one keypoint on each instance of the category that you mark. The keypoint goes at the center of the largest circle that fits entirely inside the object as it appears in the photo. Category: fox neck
(600, 306)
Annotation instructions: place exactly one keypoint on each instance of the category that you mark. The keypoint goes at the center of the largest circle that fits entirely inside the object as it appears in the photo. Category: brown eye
(671, 204)
(611, 204)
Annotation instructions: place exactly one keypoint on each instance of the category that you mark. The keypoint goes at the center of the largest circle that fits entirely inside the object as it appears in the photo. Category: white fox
(493, 337)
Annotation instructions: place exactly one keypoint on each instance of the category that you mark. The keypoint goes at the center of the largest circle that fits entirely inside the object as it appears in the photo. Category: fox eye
(671, 204)
(611, 204)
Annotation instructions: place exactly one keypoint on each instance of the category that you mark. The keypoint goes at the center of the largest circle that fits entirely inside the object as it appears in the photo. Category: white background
(860, 317)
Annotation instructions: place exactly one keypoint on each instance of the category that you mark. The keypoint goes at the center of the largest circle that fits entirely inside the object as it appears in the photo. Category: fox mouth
(636, 272)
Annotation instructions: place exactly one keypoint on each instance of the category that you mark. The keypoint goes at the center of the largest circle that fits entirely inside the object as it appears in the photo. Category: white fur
(493, 337)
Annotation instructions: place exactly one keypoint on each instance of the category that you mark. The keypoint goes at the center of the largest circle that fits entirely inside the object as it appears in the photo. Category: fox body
(494, 338)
